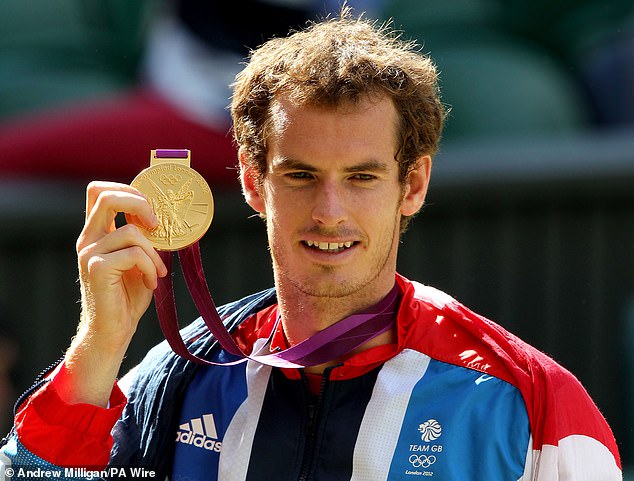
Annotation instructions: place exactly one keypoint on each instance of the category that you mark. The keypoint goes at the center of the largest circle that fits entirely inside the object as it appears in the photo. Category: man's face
(332, 198)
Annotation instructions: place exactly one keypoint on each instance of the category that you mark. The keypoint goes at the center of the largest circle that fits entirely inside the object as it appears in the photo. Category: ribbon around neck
(324, 346)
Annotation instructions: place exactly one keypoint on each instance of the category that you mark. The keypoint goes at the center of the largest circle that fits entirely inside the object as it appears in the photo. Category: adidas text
(199, 441)
(201, 433)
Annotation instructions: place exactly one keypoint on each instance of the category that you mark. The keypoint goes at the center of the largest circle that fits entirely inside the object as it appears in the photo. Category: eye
(299, 175)
(363, 177)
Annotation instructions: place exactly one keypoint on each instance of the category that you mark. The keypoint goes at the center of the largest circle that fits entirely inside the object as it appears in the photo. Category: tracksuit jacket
(459, 398)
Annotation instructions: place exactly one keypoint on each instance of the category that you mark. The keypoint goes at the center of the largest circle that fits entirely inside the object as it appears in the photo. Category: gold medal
(180, 198)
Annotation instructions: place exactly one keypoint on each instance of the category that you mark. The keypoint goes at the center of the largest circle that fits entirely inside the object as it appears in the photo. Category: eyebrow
(368, 166)
(371, 165)
(285, 163)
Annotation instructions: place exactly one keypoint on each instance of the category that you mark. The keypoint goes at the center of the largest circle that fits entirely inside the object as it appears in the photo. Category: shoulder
(155, 387)
(451, 332)
(159, 362)
(558, 405)
(448, 331)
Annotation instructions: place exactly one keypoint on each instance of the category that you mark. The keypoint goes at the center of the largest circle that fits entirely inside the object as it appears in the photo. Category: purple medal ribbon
(327, 345)
(171, 153)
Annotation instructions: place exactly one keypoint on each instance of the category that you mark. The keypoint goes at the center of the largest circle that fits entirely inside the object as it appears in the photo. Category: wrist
(89, 372)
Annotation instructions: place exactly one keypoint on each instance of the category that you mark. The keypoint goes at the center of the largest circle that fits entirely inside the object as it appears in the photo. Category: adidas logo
(200, 432)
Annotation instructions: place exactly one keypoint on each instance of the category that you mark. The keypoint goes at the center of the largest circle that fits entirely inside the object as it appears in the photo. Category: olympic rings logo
(422, 461)
(170, 179)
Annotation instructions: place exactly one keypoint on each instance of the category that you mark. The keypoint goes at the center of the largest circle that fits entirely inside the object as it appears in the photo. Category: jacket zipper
(313, 423)
(39, 381)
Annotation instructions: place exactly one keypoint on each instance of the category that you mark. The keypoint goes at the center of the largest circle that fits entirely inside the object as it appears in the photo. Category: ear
(249, 180)
(416, 185)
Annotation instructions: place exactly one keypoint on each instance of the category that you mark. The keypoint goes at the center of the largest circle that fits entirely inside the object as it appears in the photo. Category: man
(336, 127)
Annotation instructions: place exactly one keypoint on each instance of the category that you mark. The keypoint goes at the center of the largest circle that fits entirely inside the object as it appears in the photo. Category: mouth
(329, 247)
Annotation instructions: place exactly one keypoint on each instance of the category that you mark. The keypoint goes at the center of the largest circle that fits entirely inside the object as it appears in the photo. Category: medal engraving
(181, 200)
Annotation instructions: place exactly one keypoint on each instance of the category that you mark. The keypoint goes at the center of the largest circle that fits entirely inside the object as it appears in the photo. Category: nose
(329, 208)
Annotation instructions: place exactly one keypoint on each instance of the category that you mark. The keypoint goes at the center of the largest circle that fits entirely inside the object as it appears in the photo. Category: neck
(304, 315)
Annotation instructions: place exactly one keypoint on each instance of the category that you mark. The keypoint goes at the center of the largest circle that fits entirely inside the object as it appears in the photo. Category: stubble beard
(325, 284)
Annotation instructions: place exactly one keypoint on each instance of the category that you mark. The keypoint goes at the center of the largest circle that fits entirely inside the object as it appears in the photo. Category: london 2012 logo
(430, 430)
(423, 456)
(421, 460)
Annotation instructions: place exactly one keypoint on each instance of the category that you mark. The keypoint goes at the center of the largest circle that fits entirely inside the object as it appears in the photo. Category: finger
(139, 260)
(138, 221)
(125, 237)
(101, 220)
(111, 267)
(95, 188)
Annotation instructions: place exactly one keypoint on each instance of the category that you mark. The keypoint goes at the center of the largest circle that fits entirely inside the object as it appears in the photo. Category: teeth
(325, 246)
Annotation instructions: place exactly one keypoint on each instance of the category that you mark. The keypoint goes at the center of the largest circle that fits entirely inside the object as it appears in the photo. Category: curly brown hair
(336, 61)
